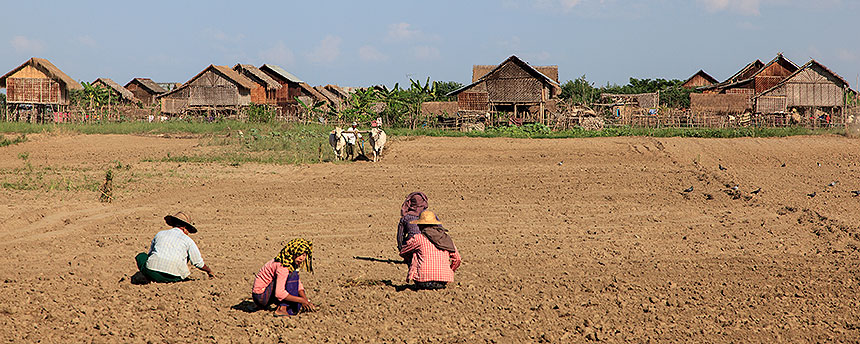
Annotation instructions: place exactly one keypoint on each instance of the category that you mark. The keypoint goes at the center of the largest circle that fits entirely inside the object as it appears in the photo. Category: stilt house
(145, 90)
(291, 87)
(39, 83)
(514, 87)
(811, 88)
(216, 88)
(265, 91)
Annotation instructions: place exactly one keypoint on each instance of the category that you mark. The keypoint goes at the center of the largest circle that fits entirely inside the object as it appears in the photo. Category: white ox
(337, 142)
(377, 142)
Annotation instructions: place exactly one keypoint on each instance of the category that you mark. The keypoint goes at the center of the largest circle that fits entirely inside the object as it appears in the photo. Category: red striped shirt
(428, 262)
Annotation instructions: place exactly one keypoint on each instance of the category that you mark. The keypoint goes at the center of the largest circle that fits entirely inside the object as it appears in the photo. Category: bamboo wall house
(215, 89)
(121, 94)
(265, 91)
(145, 90)
(514, 87)
(811, 91)
(753, 79)
(698, 80)
(37, 82)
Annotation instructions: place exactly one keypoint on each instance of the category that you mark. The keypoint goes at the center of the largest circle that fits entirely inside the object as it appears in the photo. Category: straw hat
(426, 218)
(180, 219)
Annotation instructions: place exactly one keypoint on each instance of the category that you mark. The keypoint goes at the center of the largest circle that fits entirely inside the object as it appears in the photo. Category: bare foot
(281, 311)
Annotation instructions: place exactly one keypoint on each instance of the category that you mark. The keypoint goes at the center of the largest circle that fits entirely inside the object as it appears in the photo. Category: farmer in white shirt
(170, 252)
(351, 135)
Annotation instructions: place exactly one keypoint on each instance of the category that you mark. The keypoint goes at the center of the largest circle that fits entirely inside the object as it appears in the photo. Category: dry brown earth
(604, 246)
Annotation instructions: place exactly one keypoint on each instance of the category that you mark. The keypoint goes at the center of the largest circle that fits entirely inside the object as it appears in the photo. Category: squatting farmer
(170, 252)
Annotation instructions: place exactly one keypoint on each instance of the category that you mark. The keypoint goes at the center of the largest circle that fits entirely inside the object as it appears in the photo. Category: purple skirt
(267, 297)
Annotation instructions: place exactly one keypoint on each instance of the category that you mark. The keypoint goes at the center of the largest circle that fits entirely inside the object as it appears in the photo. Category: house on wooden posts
(215, 89)
(265, 91)
(734, 96)
(121, 94)
(145, 90)
(753, 80)
(291, 88)
(38, 83)
(513, 87)
(698, 80)
(811, 91)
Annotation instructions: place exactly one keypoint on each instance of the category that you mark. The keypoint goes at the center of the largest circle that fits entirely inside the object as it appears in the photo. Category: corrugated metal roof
(257, 73)
(283, 73)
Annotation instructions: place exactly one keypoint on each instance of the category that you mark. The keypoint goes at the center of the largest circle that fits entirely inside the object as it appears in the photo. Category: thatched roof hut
(215, 88)
(144, 89)
(812, 86)
(122, 94)
(512, 86)
(265, 91)
(37, 81)
(699, 79)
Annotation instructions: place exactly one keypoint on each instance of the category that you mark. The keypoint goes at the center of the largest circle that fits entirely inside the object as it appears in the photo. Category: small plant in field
(6, 142)
(106, 190)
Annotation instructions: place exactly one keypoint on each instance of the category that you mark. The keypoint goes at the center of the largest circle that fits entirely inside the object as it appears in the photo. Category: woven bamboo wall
(771, 104)
(175, 102)
(719, 103)
(439, 108)
(34, 91)
(473, 101)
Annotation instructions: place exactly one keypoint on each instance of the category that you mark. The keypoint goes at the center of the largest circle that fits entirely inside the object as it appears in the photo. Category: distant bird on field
(721, 167)
(855, 192)
(735, 188)
(833, 183)
(689, 189)
(783, 165)
(560, 163)
(756, 191)
(819, 164)
(811, 194)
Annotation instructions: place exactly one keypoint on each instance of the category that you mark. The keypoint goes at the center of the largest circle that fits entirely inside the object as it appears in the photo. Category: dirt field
(562, 241)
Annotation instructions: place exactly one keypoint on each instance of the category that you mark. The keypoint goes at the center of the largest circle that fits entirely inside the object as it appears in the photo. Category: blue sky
(361, 43)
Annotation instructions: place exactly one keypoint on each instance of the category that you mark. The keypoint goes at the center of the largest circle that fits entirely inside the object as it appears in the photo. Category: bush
(259, 113)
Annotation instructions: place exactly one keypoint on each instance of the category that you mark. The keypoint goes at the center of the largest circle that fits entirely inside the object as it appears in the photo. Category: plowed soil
(562, 241)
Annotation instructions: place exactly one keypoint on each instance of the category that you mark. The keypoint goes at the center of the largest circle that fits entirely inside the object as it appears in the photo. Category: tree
(580, 91)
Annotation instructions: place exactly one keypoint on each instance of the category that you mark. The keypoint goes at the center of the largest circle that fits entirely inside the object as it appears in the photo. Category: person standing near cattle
(434, 258)
(170, 252)
(351, 135)
(278, 281)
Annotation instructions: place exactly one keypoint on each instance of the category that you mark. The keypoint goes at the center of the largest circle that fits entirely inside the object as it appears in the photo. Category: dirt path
(563, 241)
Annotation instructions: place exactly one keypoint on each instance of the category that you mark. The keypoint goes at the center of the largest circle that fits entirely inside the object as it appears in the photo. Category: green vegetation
(29, 177)
(234, 143)
(7, 142)
(583, 92)
(396, 106)
(540, 131)
(258, 113)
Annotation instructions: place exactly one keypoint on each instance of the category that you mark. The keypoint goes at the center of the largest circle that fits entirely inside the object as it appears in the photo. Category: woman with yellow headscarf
(278, 280)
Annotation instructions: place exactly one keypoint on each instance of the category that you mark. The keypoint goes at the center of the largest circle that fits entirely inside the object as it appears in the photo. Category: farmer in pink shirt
(434, 258)
(278, 280)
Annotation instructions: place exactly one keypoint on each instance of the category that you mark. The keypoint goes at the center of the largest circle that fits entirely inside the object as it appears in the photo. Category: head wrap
(415, 203)
(295, 248)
